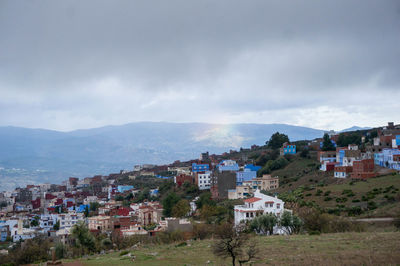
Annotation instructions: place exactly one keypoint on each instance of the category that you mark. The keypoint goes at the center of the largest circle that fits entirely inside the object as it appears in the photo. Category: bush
(314, 220)
(202, 231)
(328, 199)
(124, 252)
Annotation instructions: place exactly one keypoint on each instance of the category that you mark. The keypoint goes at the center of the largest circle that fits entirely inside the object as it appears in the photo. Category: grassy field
(327, 249)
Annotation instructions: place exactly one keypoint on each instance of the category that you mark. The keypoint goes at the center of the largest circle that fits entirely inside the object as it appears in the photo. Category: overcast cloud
(80, 64)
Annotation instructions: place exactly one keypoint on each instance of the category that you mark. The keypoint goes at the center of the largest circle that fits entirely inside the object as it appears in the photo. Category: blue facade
(289, 149)
(385, 159)
(398, 140)
(200, 167)
(252, 167)
(82, 208)
(246, 175)
(3, 232)
(228, 165)
(122, 189)
(163, 177)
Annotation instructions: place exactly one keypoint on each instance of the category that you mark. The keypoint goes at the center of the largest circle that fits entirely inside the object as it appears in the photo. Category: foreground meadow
(327, 249)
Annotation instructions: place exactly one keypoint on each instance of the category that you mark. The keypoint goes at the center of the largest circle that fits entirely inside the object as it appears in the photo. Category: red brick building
(363, 169)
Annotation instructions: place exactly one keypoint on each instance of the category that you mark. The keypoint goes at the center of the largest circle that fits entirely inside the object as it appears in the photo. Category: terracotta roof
(251, 200)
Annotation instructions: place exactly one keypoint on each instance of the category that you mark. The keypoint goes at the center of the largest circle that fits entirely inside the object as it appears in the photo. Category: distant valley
(38, 155)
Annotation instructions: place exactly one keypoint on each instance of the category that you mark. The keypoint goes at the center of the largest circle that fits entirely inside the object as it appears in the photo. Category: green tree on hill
(327, 144)
(276, 140)
(181, 209)
(169, 202)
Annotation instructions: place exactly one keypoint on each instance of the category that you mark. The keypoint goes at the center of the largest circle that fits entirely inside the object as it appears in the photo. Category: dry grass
(327, 249)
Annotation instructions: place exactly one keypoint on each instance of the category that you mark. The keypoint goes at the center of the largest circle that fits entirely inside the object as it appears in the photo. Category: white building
(204, 180)
(47, 221)
(258, 205)
(68, 220)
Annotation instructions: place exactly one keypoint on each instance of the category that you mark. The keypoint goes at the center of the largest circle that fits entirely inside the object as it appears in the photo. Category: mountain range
(39, 155)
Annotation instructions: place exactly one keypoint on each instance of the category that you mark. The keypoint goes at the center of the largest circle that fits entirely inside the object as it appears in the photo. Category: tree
(276, 140)
(35, 221)
(205, 199)
(234, 243)
(292, 224)
(83, 238)
(181, 209)
(94, 206)
(327, 144)
(264, 224)
(169, 202)
(349, 138)
(57, 225)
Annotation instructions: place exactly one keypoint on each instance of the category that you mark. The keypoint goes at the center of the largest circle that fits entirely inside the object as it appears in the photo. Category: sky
(67, 65)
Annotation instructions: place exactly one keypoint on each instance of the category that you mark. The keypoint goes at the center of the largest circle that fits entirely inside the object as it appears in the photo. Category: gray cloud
(72, 64)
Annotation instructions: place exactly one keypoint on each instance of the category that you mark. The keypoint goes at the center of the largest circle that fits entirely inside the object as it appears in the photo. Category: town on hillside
(149, 200)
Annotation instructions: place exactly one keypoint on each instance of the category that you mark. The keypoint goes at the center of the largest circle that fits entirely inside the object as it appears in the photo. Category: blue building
(122, 189)
(252, 167)
(200, 167)
(82, 207)
(228, 165)
(398, 140)
(245, 175)
(288, 149)
(3, 231)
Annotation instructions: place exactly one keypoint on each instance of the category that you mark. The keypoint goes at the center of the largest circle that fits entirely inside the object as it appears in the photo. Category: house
(203, 180)
(342, 171)
(134, 229)
(228, 165)
(287, 149)
(221, 183)
(363, 169)
(68, 220)
(100, 223)
(246, 175)
(200, 167)
(123, 189)
(252, 167)
(388, 158)
(258, 205)
(150, 213)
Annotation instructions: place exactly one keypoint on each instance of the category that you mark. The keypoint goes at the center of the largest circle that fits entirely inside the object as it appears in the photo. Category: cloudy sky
(80, 64)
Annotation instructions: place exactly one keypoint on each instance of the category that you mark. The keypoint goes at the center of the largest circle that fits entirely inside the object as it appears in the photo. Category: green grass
(327, 249)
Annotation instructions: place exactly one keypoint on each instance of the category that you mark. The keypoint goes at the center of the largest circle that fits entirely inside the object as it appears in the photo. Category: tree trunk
(233, 261)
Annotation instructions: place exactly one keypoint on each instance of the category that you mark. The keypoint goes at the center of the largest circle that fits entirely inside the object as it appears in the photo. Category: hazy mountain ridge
(108, 149)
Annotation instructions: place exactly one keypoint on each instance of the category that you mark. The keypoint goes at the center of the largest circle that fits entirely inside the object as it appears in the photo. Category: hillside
(37, 155)
(374, 197)
(328, 249)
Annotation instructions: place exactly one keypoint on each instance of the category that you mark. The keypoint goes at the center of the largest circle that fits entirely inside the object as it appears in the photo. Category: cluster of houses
(226, 179)
(53, 210)
(354, 162)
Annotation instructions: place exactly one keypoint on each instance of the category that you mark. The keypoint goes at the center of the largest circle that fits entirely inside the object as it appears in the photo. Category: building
(246, 175)
(228, 165)
(266, 182)
(203, 180)
(388, 158)
(100, 223)
(221, 183)
(258, 205)
(200, 167)
(123, 189)
(363, 169)
(68, 220)
(287, 149)
(342, 171)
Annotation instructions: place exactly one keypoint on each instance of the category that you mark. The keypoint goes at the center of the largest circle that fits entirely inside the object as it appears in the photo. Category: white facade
(204, 180)
(259, 204)
(68, 220)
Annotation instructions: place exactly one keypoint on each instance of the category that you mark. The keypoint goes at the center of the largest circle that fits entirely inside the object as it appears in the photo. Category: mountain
(39, 155)
(355, 128)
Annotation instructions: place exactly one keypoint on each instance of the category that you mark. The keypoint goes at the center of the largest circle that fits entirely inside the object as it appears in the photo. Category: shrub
(124, 252)
(327, 193)
(328, 199)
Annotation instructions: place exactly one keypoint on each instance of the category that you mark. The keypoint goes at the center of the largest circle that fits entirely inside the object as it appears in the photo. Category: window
(278, 206)
(247, 214)
(271, 205)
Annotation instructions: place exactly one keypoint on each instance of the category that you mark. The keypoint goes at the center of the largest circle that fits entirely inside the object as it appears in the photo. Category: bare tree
(234, 243)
